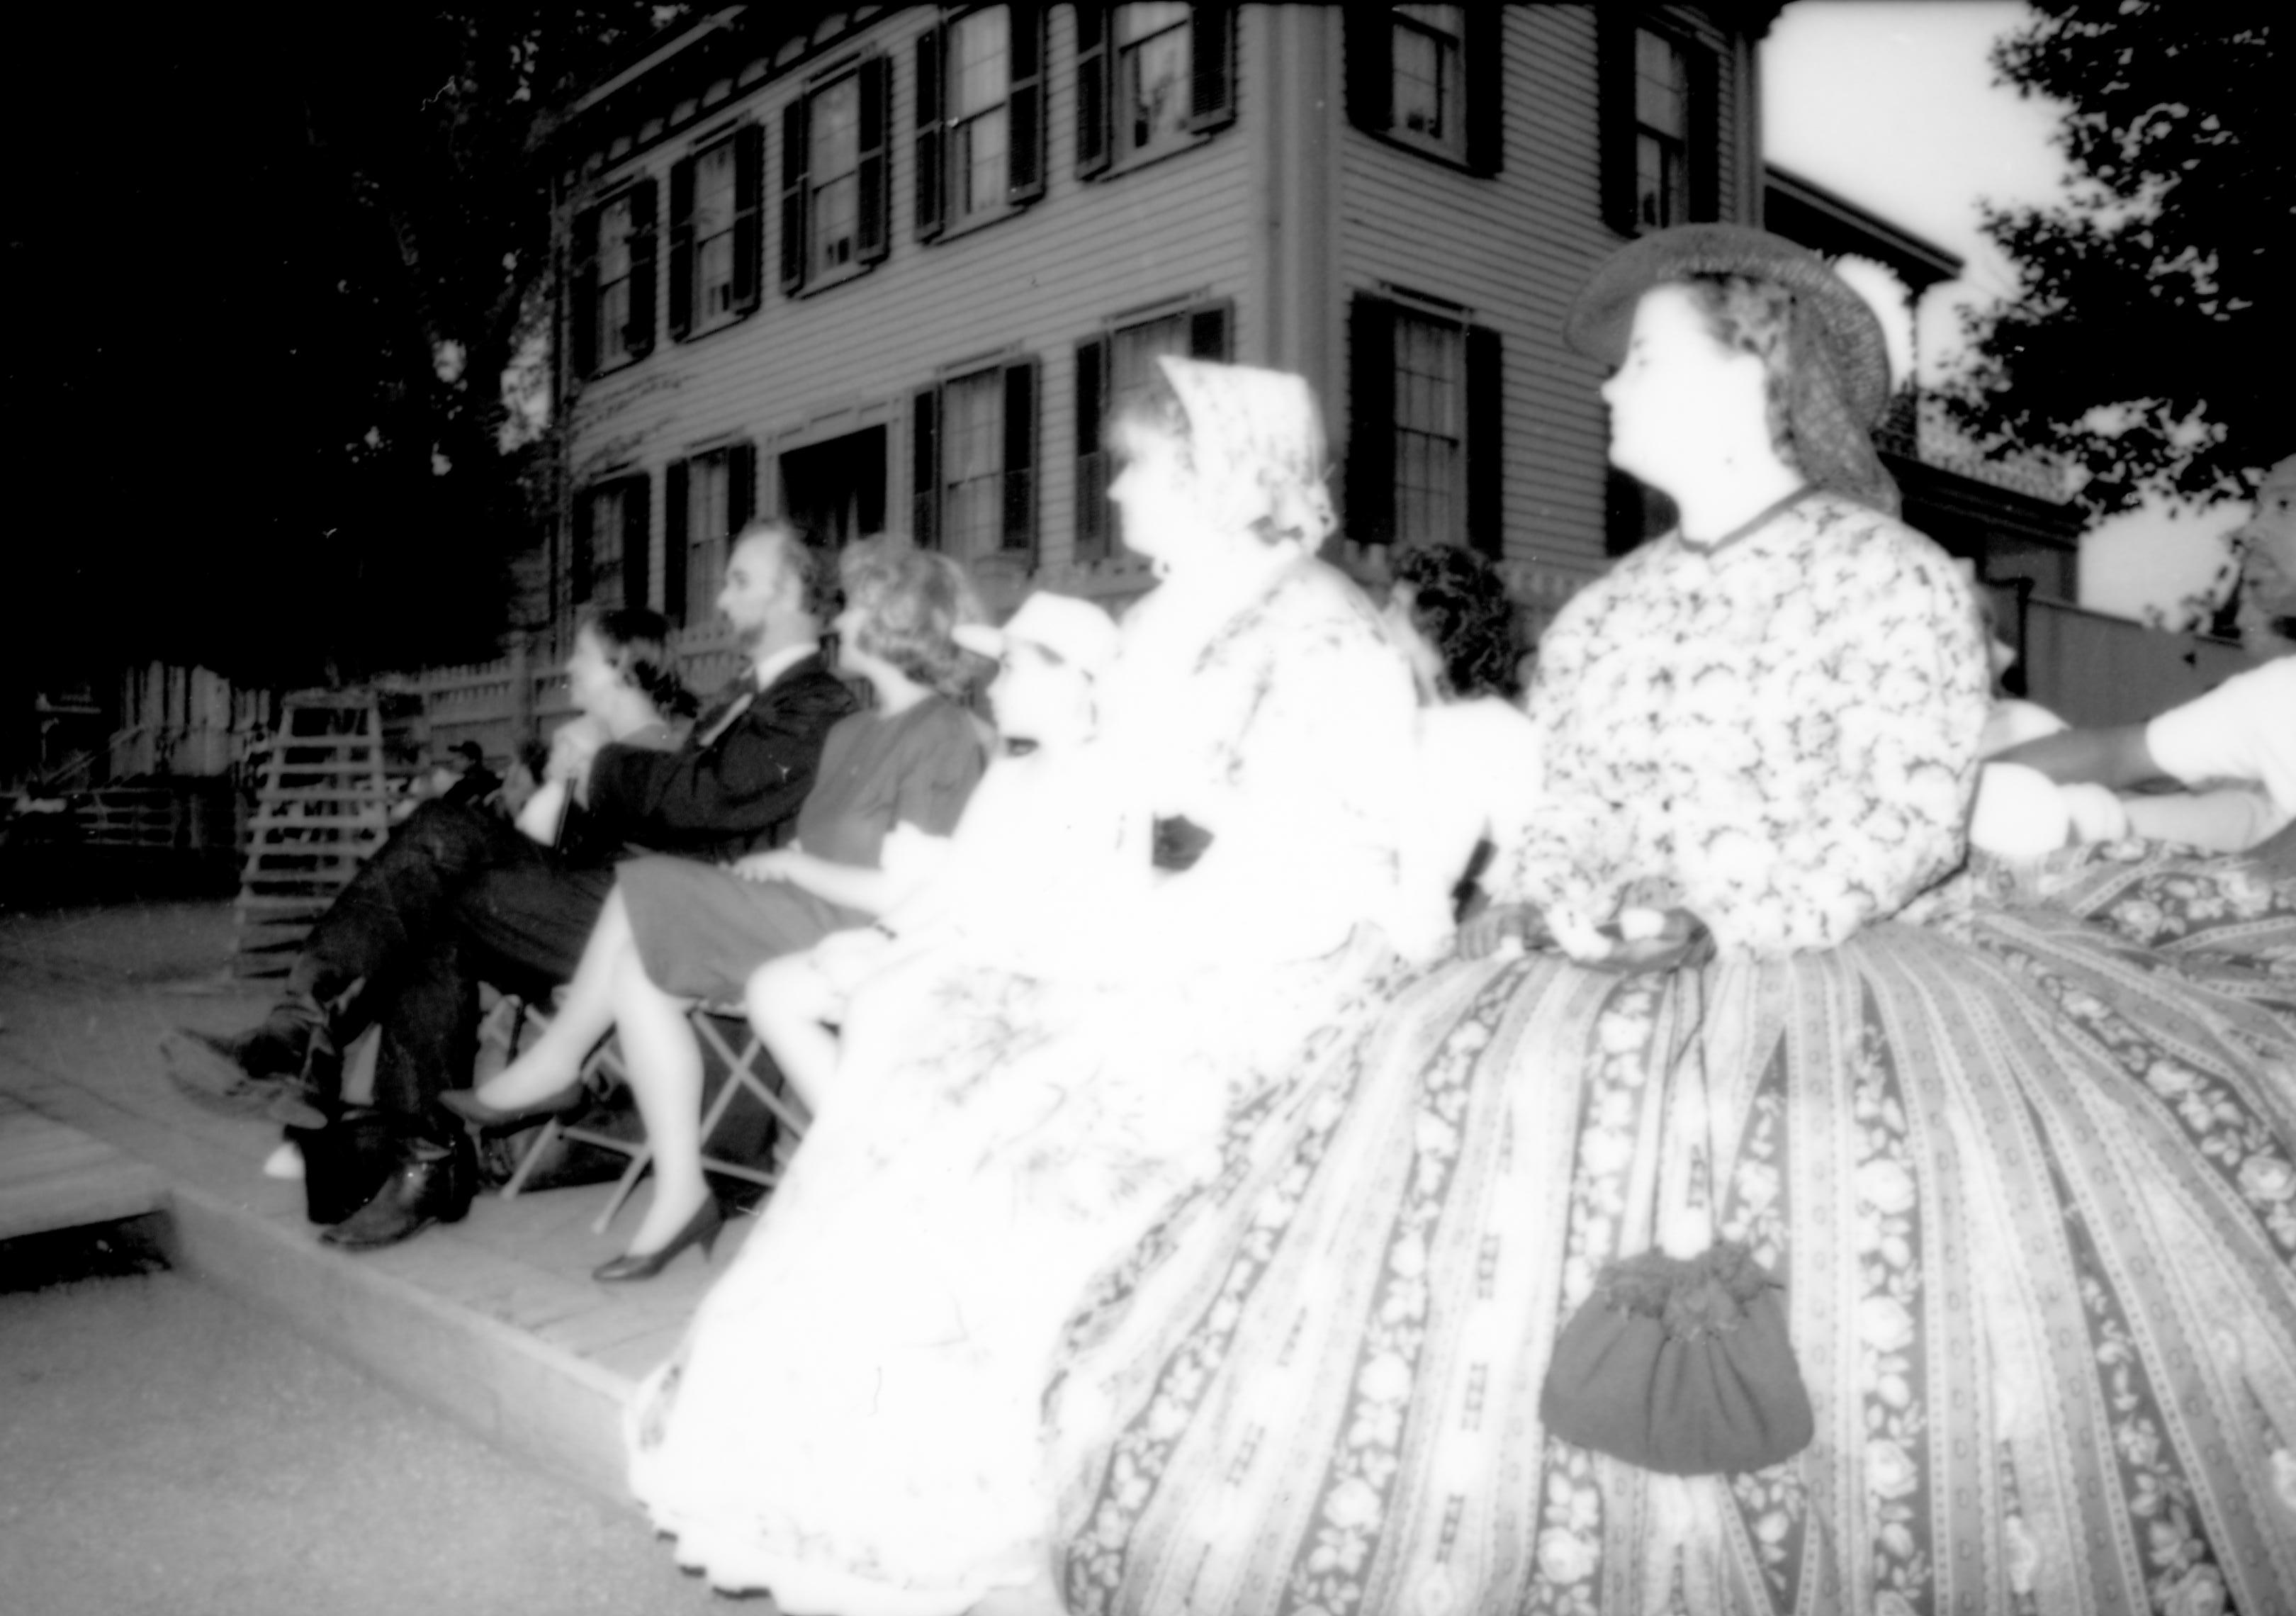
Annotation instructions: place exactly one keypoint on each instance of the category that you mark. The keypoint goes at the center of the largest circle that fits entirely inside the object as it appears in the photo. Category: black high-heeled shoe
(466, 1103)
(702, 1229)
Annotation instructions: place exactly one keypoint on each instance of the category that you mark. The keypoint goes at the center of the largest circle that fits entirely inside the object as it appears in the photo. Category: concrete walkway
(493, 1322)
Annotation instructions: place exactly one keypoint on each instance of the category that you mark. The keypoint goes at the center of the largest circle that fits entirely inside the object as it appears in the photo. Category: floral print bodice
(1779, 734)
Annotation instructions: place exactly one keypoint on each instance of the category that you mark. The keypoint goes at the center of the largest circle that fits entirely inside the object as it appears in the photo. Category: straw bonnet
(1600, 319)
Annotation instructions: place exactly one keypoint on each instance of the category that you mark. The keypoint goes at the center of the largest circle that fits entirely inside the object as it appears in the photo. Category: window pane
(980, 67)
(1132, 357)
(1418, 82)
(981, 146)
(599, 580)
(1661, 85)
(836, 134)
(708, 487)
(1450, 19)
(836, 219)
(1429, 431)
(836, 159)
(972, 464)
(1135, 23)
(1155, 85)
(615, 220)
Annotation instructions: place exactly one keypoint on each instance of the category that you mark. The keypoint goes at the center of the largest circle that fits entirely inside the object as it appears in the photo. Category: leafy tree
(2150, 339)
(279, 262)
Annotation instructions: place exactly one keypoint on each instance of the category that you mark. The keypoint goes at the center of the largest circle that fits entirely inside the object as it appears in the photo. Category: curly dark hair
(636, 643)
(1459, 603)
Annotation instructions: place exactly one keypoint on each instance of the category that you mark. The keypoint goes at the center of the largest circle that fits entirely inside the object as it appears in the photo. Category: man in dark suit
(456, 895)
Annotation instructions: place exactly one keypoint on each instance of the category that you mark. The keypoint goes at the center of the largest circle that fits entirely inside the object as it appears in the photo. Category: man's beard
(749, 637)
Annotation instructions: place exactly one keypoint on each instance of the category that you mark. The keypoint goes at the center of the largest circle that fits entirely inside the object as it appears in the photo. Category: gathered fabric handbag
(1682, 1364)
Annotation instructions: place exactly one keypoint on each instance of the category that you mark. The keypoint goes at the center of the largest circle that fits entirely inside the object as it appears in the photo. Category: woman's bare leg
(787, 999)
(555, 1058)
(665, 1072)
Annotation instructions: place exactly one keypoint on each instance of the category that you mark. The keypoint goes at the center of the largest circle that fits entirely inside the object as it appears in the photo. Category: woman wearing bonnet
(2018, 1188)
(853, 1421)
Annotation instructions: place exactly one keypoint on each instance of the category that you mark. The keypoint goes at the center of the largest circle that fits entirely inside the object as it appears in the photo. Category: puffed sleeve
(1574, 850)
(1308, 813)
(1864, 716)
(940, 775)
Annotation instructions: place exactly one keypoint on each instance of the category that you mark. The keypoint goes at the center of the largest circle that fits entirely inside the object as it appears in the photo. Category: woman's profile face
(848, 626)
(591, 675)
(1677, 382)
(1156, 491)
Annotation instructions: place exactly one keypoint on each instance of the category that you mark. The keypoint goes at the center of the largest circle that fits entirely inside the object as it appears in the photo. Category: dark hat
(1600, 319)
(471, 749)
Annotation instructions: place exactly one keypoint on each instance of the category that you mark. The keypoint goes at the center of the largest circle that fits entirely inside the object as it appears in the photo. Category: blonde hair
(911, 603)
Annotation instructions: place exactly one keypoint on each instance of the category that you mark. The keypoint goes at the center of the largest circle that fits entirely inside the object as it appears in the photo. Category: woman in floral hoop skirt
(2019, 1147)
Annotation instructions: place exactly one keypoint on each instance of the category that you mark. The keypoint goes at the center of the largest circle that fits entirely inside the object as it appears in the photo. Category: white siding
(802, 369)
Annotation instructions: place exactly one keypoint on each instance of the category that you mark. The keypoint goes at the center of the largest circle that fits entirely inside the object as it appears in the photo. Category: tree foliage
(2149, 339)
(279, 261)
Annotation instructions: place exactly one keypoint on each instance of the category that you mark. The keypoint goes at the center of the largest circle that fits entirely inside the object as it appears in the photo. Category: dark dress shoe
(433, 1183)
(466, 1103)
(702, 1229)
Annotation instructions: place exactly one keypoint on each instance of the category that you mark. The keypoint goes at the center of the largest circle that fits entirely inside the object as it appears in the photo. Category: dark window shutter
(681, 249)
(1705, 121)
(1484, 46)
(638, 334)
(1092, 512)
(929, 133)
(580, 546)
(793, 169)
(1614, 68)
(1208, 332)
(1369, 44)
(749, 216)
(584, 345)
(1092, 89)
(925, 468)
(741, 489)
(1486, 450)
(1026, 119)
(1212, 66)
(876, 232)
(1021, 455)
(637, 539)
(673, 543)
(1371, 420)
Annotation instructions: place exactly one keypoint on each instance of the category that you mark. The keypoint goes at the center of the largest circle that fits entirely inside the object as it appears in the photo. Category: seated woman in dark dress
(676, 932)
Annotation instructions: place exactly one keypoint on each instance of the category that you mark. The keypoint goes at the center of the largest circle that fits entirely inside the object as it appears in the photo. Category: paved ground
(164, 1449)
(169, 1452)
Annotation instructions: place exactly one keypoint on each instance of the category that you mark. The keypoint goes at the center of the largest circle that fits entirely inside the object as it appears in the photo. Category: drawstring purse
(1682, 1364)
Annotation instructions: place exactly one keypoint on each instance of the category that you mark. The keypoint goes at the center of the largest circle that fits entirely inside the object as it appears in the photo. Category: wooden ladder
(322, 807)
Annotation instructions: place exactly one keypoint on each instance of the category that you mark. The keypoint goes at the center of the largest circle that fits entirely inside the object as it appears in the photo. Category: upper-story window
(973, 442)
(612, 316)
(1661, 134)
(1112, 369)
(1423, 459)
(1662, 130)
(1428, 78)
(980, 117)
(835, 201)
(612, 550)
(1151, 80)
(714, 233)
(711, 497)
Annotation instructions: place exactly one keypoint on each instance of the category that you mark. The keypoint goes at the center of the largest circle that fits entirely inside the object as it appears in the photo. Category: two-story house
(893, 267)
